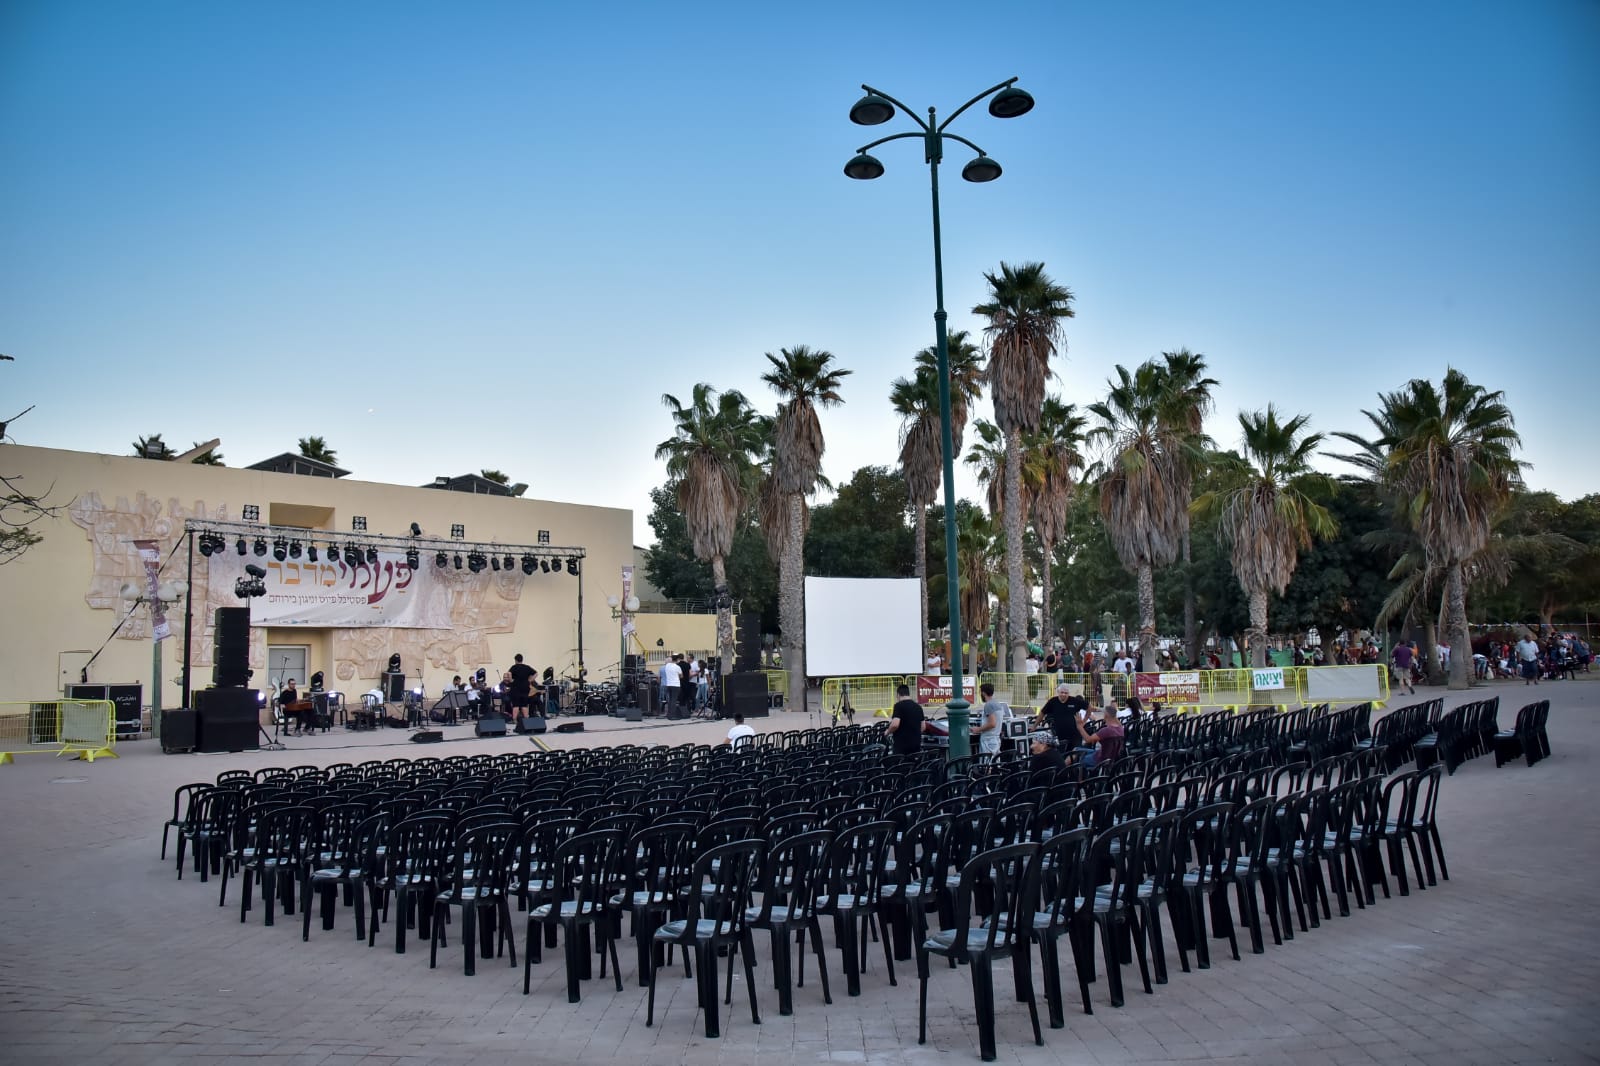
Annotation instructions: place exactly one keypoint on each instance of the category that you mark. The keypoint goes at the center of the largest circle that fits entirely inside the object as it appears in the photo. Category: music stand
(452, 702)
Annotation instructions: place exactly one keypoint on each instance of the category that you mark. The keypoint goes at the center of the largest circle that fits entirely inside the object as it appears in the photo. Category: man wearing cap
(1047, 754)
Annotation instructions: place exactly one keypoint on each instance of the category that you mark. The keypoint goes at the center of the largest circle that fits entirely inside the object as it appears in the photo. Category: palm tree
(499, 477)
(1144, 480)
(975, 565)
(916, 401)
(987, 457)
(1194, 391)
(710, 457)
(1268, 515)
(804, 380)
(153, 447)
(209, 458)
(317, 449)
(1055, 453)
(1025, 310)
(1450, 456)
(965, 360)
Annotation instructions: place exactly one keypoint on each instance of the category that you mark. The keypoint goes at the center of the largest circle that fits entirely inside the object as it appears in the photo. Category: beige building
(64, 597)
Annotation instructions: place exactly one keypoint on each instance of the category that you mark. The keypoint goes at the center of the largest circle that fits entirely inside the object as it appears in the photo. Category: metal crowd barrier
(85, 729)
(871, 696)
(1218, 689)
(777, 684)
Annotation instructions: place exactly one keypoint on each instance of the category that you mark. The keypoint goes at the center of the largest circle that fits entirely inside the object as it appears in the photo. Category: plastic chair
(1007, 874)
(793, 877)
(485, 858)
(583, 876)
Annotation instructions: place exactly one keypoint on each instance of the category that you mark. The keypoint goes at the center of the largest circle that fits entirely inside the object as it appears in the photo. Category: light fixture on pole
(167, 594)
(873, 109)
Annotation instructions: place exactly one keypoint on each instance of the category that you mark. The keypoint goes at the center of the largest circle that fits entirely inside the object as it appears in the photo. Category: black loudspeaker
(633, 713)
(427, 736)
(227, 719)
(231, 633)
(128, 702)
(491, 725)
(747, 649)
(645, 697)
(570, 727)
(394, 688)
(533, 724)
(745, 694)
(632, 664)
(177, 730)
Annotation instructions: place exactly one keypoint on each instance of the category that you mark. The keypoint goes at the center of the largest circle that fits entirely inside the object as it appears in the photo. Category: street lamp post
(167, 593)
(874, 109)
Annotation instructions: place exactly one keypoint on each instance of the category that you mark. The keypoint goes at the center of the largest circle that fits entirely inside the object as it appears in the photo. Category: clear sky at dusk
(447, 237)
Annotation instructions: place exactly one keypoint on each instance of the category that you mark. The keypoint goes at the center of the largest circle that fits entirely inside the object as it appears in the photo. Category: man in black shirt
(1060, 713)
(522, 676)
(906, 724)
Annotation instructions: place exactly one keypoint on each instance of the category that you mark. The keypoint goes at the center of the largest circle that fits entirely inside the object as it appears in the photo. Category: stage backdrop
(386, 593)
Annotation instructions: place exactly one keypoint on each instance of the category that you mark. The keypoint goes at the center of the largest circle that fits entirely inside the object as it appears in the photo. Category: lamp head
(863, 167)
(981, 169)
(872, 110)
(1010, 102)
(130, 591)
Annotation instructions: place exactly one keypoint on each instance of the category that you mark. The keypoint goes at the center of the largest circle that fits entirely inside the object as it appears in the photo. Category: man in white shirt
(1123, 665)
(1528, 658)
(739, 736)
(671, 677)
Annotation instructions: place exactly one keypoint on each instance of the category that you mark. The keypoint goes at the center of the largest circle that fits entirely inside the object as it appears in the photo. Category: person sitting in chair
(286, 696)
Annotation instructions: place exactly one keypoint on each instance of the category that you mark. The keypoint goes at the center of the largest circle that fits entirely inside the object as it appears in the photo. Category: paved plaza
(109, 959)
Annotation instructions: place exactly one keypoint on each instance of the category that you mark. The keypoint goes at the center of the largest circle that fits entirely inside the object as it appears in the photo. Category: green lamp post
(873, 109)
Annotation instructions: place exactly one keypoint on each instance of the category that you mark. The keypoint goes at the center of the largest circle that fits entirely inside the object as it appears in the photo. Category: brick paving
(109, 959)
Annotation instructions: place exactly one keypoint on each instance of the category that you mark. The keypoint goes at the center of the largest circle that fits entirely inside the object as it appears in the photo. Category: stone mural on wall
(480, 604)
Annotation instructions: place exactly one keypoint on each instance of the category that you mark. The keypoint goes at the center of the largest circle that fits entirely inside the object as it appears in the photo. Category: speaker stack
(747, 650)
(231, 632)
(746, 694)
(227, 719)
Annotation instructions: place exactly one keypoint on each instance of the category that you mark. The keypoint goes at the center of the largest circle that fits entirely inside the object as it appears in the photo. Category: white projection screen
(862, 626)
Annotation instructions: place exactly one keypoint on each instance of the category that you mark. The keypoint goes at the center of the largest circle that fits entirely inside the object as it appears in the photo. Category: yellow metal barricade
(844, 697)
(778, 685)
(1336, 685)
(1026, 693)
(85, 729)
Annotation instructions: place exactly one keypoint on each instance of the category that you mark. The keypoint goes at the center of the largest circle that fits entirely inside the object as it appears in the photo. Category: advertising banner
(1178, 687)
(386, 593)
(1263, 680)
(150, 555)
(937, 690)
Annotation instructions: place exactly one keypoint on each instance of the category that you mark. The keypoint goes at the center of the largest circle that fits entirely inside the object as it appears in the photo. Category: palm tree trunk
(921, 566)
(1047, 625)
(1430, 654)
(1147, 617)
(1190, 636)
(791, 603)
(719, 579)
(1258, 628)
(1456, 628)
(1017, 594)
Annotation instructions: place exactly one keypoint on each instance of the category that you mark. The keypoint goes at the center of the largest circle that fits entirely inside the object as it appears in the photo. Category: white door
(285, 662)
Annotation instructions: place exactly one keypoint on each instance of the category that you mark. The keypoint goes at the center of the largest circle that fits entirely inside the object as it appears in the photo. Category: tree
(916, 401)
(19, 508)
(210, 458)
(1144, 479)
(1192, 390)
(987, 457)
(153, 447)
(709, 457)
(965, 360)
(499, 477)
(1269, 515)
(1056, 455)
(317, 449)
(862, 531)
(804, 380)
(975, 562)
(1025, 310)
(1450, 454)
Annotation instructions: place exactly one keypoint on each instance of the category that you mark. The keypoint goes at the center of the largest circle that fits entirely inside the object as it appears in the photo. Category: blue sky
(446, 237)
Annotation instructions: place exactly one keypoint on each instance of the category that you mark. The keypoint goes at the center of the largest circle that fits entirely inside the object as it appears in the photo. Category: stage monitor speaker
(227, 719)
(427, 736)
(531, 725)
(177, 730)
(394, 688)
(746, 694)
(491, 725)
(570, 727)
(633, 713)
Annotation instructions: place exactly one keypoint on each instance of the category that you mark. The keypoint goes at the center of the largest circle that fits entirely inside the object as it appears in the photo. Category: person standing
(905, 722)
(522, 676)
(695, 682)
(1528, 659)
(1400, 667)
(995, 715)
(1059, 714)
(685, 688)
(671, 681)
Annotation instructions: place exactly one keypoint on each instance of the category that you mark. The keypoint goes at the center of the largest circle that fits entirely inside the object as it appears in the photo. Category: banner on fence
(1262, 680)
(932, 690)
(1181, 687)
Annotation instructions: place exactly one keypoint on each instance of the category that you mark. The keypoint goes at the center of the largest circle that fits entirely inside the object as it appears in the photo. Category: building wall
(62, 598)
